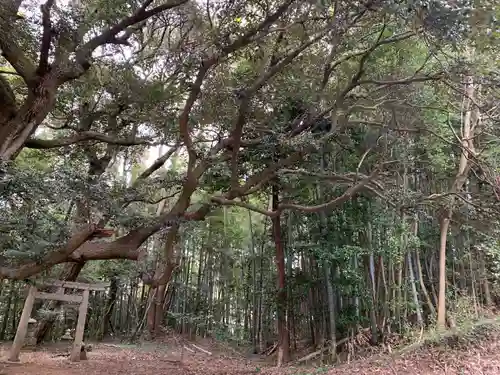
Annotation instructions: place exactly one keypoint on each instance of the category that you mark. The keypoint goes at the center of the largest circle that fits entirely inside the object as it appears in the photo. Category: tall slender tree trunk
(386, 302)
(260, 320)
(471, 119)
(411, 274)
(370, 272)
(290, 301)
(331, 312)
(473, 286)
(159, 305)
(5, 318)
(441, 315)
(283, 337)
(255, 311)
(210, 282)
(427, 297)
(356, 298)
(110, 304)
(418, 311)
(488, 301)
(247, 279)
(399, 291)
(330, 294)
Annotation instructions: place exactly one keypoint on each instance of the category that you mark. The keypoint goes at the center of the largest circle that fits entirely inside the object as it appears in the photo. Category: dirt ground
(481, 358)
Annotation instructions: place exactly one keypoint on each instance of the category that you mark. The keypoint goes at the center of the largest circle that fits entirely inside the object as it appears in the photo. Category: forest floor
(476, 351)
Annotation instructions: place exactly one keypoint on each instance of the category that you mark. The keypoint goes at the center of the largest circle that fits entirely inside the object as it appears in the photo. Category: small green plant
(321, 370)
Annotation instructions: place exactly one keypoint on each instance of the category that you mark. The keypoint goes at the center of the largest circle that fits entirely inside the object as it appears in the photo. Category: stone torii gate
(83, 300)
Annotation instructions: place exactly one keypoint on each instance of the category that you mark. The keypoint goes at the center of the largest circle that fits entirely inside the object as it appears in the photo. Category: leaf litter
(477, 352)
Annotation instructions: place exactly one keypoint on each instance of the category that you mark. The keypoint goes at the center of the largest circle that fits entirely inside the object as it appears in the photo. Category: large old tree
(255, 99)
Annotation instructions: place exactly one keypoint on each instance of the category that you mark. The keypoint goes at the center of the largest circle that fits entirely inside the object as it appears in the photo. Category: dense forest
(276, 174)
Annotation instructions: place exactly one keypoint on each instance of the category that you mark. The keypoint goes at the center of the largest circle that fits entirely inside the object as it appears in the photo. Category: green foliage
(35, 220)
(397, 107)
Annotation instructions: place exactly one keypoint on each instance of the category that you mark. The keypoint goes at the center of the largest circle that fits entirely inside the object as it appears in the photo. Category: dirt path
(105, 360)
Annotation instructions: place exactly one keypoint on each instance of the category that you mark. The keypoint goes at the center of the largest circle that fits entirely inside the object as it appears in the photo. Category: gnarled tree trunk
(15, 132)
(162, 277)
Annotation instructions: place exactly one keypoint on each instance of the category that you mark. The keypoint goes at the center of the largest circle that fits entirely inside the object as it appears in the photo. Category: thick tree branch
(246, 38)
(8, 72)
(156, 200)
(142, 14)
(380, 42)
(252, 184)
(79, 249)
(83, 54)
(206, 65)
(51, 259)
(231, 202)
(186, 111)
(356, 81)
(348, 194)
(8, 99)
(249, 92)
(377, 124)
(373, 185)
(43, 64)
(268, 173)
(157, 164)
(84, 137)
(404, 81)
(13, 53)
(127, 246)
(353, 82)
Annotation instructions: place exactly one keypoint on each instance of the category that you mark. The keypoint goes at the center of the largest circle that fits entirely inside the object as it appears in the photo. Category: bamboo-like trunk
(488, 301)
(6, 313)
(290, 301)
(441, 315)
(418, 311)
(473, 287)
(255, 311)
(370, 271)
(423, 288)
(411, 274)
(260, 320)
(330, 293)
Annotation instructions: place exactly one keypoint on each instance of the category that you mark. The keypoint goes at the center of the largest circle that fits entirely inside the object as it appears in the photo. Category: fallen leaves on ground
(481, 357)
